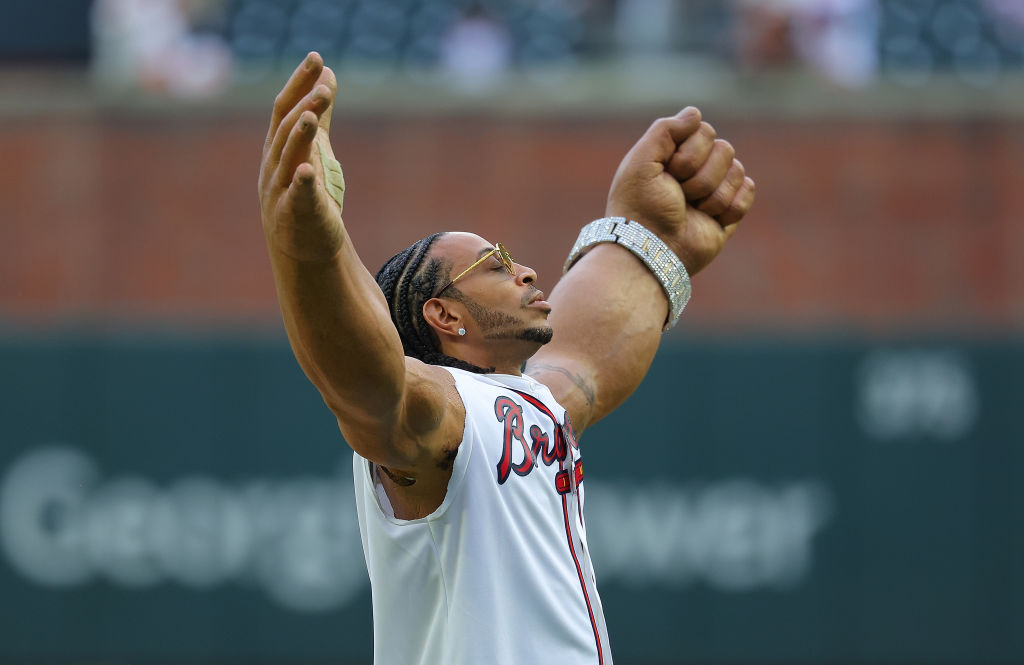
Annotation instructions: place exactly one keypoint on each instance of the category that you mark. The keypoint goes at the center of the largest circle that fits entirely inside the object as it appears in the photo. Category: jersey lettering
(510, 413)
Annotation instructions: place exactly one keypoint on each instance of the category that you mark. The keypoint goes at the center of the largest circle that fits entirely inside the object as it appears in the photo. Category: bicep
(607, 314)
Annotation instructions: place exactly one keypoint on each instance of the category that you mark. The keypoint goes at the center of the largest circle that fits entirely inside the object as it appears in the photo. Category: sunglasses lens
(506, 259)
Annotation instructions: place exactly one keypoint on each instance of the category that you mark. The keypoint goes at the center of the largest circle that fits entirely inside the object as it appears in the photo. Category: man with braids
(468, 472)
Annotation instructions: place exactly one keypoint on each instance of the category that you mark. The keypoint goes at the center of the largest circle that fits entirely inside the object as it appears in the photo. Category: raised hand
(301, 213)
(685, 184)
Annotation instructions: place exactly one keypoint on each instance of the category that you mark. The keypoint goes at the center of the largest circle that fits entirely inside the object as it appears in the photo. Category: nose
(525, 274)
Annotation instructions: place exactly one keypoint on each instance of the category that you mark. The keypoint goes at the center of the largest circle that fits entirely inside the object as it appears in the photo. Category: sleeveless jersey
(499, 573)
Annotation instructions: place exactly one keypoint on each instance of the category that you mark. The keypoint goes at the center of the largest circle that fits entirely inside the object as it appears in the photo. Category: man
(468, 471)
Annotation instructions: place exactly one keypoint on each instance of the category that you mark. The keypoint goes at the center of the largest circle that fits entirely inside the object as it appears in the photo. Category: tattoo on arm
(585, 387)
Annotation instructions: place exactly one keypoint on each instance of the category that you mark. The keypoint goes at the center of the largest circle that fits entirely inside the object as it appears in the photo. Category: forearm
(340, 329)
(607, 314)
(336, 317)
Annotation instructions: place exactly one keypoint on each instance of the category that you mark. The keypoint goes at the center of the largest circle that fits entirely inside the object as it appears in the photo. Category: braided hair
(408, 280)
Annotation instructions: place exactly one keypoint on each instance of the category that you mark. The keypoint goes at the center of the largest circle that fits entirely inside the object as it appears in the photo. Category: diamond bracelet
(655, 254)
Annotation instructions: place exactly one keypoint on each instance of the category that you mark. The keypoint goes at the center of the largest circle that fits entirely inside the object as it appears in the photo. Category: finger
(316, 101)
(661, 139)
(294, 90)
(298, 84)
(739, 206)
(329, 82)
(718, 201)
(692, 153)
(298, 149)
(710, 175)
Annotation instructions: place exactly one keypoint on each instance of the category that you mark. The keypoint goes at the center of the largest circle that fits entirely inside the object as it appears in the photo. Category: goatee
(541, 335)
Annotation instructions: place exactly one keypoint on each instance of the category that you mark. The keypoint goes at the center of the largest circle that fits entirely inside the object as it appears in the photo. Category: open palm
(301, 188)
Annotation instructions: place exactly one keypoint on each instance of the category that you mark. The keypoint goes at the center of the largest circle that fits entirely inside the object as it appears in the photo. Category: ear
(443, 317)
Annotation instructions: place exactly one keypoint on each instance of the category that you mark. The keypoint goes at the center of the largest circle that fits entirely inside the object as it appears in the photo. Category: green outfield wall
(188, 500)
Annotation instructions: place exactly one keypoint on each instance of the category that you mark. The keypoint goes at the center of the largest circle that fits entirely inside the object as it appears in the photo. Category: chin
(540, 334)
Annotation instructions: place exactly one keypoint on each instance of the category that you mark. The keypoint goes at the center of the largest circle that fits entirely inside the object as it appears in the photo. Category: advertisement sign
(190, 501)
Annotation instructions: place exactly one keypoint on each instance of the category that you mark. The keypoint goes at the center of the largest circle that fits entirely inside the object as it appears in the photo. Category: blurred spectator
(1008, 19)
(1008, 10)
(476, 51)
(154, 45)
(837, 38)
(762, 39)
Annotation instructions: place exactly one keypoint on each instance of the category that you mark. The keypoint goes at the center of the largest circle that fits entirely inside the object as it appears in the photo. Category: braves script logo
(540, 447)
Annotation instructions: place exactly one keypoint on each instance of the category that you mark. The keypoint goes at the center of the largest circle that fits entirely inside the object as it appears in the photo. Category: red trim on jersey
(583, 583)
(537, 403)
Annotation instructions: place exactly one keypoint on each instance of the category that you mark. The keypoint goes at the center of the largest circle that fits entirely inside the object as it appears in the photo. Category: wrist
(670, 238)
(315, 241)
(657, 256)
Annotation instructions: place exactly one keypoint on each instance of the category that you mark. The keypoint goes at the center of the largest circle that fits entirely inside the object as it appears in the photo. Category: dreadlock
(409, 279)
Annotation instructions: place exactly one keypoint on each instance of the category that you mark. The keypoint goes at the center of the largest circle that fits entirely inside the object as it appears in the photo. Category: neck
(509, 362)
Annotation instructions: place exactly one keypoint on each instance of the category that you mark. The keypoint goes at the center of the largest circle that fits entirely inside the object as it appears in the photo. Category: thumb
(664, 136)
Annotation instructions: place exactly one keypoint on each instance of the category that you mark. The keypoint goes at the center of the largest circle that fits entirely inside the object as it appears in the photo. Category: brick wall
(872, 225)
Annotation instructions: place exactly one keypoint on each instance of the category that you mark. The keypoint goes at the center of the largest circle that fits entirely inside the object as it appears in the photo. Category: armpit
(398, 479)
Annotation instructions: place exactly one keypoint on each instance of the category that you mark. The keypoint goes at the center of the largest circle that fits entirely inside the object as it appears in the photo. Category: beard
(495, 324)
(540, 334)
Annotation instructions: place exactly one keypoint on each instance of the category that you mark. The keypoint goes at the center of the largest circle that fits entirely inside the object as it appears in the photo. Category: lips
(538, 299)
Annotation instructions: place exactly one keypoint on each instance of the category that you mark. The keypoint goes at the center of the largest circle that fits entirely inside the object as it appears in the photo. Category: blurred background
(822, 467)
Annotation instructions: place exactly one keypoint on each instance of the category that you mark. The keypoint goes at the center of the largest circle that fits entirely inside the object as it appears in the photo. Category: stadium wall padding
(188, 500)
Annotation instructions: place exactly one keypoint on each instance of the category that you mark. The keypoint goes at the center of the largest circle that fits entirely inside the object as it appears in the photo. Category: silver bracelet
(655, 254)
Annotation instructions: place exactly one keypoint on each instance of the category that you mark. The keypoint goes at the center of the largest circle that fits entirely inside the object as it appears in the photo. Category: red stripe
(583, 583)
(537, 403)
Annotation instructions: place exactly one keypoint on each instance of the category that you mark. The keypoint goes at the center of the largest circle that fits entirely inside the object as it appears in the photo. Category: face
(504, 306)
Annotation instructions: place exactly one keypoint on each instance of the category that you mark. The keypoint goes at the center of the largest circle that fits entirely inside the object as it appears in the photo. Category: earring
(462, 332)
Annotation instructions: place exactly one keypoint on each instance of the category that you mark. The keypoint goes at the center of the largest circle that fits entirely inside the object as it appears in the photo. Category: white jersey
(500, 573)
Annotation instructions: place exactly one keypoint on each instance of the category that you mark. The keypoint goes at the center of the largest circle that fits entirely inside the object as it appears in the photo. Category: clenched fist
(685, 184)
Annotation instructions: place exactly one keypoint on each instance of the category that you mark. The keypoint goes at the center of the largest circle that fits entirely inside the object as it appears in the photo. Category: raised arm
(684, 184)
(335, 314)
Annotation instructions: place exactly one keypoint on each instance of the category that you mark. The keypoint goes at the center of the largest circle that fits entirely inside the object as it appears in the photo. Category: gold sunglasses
(503, 256)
